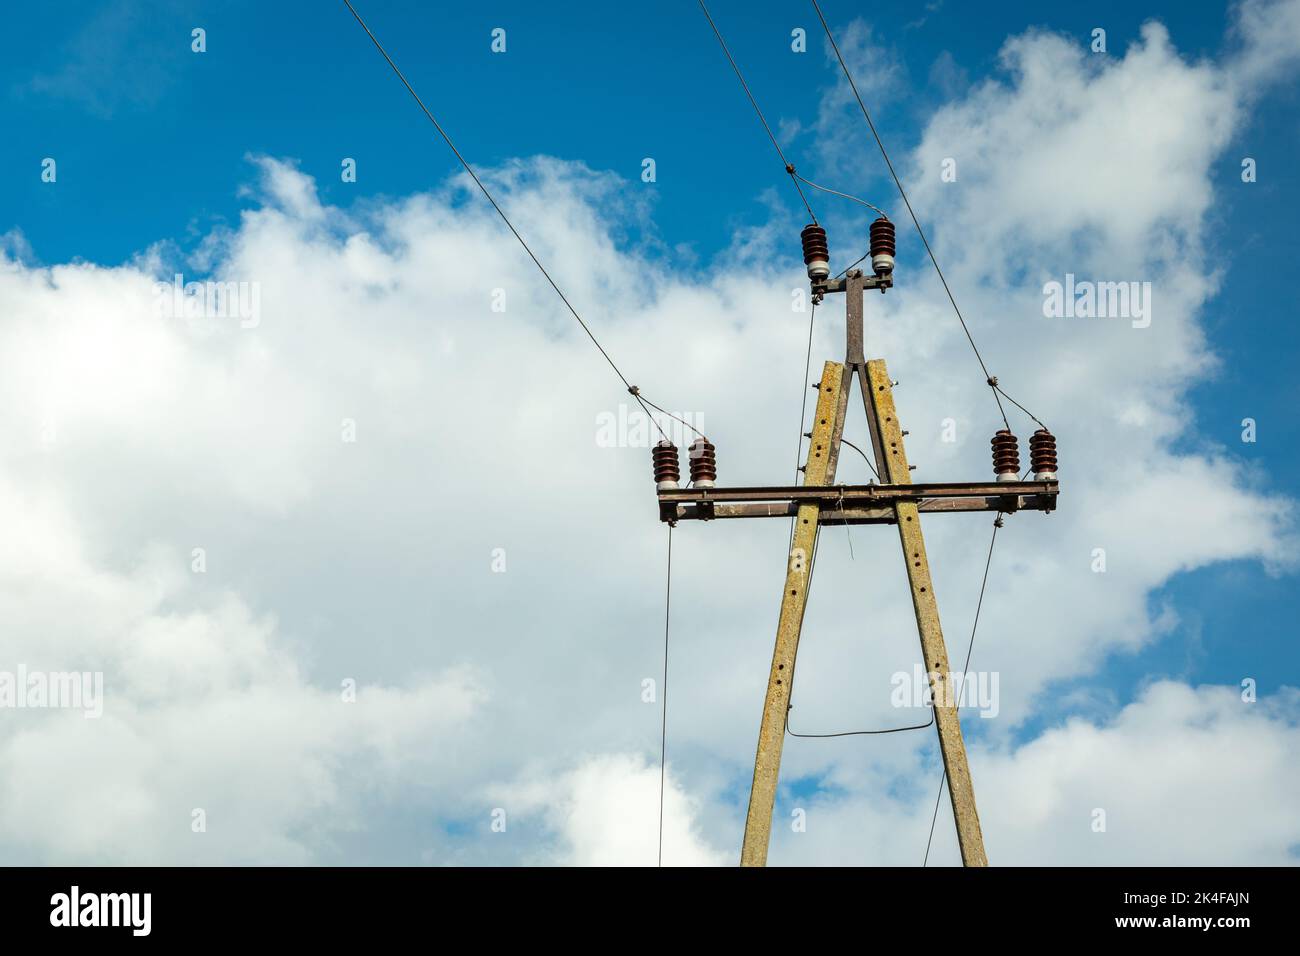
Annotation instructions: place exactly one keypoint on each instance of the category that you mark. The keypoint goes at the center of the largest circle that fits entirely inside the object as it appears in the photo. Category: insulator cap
(704, 463)
(1042, 455)
(1006, 456)
(816, 253)
(882, 246)
(668, 471)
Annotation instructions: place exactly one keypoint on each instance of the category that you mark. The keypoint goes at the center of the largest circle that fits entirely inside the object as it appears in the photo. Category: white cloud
(605, 812)
(1183, 776)
(202, 708)
(1267, 31)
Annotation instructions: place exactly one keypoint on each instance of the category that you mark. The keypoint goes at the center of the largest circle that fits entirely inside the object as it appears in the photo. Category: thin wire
(965, 669)
(836, 192)
(854, 263)
(848, 530)
(803, 396)
(673, 417)
(500, 212)
(1017, 404)
(753, 102)
(794, 666)
(934, 816)
(916, 222)
(663, 730)
(803, 412)
(859, 733)
(662, 434)
(845, 441)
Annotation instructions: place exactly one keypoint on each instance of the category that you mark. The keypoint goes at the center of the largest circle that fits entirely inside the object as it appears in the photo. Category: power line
(803, 396)
(988, 377)
(965, 669)
(998, 388)
(845, 441)
(794, 665)
(632, 389)
(836, 192)
(789, 168)
(803, 411)
(670, 415)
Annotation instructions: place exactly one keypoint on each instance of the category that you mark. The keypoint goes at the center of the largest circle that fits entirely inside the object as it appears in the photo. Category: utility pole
(819, 501)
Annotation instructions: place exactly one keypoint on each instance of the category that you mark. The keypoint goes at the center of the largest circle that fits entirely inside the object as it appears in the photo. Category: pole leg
(794, 600)
(960, 786)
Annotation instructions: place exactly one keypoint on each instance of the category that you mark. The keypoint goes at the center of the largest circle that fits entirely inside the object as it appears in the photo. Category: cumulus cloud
(1182, 776)
(204, 720)
(605, 812)
(392, 480)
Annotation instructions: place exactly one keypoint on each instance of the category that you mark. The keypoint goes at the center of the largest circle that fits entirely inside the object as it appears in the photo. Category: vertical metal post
(855, 363)
(933, 650)
(794, 600)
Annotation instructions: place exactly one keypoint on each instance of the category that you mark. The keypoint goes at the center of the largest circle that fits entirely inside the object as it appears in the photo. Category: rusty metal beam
(840, 285)
(860, 493)
(833, 513)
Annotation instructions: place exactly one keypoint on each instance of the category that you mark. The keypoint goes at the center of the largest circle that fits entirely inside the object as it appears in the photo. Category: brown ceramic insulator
(882, 237)
(704, 461)
(1042, 451)
(1006, 453)
(814, 243)
(666, 465)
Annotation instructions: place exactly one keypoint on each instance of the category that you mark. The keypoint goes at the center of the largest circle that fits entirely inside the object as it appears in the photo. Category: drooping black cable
(845, 441)
(812, 563)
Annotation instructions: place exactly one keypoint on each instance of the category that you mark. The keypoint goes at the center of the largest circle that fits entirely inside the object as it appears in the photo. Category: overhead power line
(632, 389)
(836, 192)
(989, 378)
(789, 168)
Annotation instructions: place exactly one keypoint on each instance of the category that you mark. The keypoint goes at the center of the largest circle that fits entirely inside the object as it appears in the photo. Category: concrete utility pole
(820, 501)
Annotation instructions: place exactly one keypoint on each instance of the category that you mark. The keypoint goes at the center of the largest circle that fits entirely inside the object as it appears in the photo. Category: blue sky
(156, 144)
